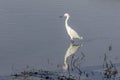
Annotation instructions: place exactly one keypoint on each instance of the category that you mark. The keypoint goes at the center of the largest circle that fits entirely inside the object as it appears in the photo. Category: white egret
(70, 51)
(71, 32)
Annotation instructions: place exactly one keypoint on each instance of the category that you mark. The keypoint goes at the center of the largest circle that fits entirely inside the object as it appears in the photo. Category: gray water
(32, 33)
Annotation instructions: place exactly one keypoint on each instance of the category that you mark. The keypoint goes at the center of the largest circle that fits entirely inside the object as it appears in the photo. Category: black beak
(60, 16)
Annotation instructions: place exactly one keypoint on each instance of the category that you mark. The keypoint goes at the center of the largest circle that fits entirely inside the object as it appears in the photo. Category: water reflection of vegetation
(110, 71)
(74, 70)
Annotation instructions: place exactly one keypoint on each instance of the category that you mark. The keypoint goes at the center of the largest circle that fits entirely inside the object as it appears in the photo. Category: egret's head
(66, 15)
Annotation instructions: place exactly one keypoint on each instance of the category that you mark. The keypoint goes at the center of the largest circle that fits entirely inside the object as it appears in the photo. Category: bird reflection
(72, 49)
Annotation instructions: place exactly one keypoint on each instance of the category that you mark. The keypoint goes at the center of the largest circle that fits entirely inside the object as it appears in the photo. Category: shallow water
(33, 34)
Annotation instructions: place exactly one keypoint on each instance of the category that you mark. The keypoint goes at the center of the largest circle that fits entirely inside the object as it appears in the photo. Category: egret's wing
(73, 33)
(72, 49)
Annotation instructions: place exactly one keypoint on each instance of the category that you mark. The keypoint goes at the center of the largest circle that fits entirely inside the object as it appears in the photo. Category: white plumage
(70, 51)
(71, 32)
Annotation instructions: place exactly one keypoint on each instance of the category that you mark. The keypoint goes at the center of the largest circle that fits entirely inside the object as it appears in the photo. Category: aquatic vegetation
(109, 69)
(74, 71)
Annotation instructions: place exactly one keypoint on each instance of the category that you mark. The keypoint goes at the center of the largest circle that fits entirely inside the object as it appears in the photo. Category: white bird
(70, 51)
(71, 32)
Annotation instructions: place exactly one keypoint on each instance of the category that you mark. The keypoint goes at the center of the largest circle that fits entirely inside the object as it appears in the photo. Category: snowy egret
(70, 51)
(71, 32)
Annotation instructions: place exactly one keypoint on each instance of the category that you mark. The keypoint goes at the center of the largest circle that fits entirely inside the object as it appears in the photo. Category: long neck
(66, 21)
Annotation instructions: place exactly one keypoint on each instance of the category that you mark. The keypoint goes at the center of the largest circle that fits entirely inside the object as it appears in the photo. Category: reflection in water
(110, 70)
(73, 48)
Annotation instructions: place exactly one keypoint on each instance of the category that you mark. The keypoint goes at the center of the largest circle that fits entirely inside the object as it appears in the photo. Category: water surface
(32, 32)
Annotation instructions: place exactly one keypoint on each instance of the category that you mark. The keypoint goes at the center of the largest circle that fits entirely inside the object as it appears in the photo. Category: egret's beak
(60, 16)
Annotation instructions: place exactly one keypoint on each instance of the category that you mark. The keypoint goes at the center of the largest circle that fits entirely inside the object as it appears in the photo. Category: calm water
(32, 32)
